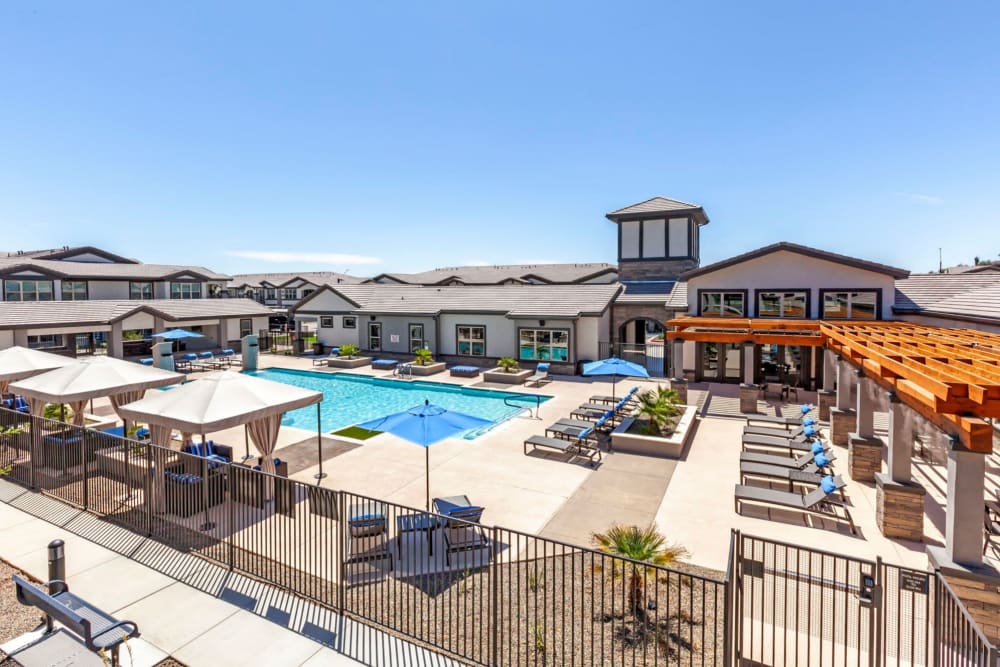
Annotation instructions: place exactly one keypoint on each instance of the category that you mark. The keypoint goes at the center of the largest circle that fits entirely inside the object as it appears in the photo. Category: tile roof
(492, 275)
(657, 205)
(974, 295)
(802, 250)
(68, 252)
(568, 301)
(678, 297)
(646, 291)
(108, 271)
(280, 279)
(78, 313)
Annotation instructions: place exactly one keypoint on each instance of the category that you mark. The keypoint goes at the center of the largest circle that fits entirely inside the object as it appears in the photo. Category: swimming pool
(352, 399)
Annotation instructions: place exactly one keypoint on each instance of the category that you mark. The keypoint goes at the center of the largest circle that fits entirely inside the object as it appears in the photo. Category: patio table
(412, 523)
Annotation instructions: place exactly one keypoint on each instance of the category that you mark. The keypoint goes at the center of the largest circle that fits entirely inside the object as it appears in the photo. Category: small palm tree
(508, 365)
(423, 356)
(657, 407)
(349, 351)
(645, 545)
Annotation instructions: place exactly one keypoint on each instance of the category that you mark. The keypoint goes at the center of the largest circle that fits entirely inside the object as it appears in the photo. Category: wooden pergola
(950, 376)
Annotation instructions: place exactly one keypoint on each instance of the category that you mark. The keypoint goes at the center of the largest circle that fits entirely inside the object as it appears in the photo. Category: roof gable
(785, 246)
(658, 206)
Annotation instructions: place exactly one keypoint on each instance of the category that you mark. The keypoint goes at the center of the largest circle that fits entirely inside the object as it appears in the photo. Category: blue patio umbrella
(177, 334)
(614, 366)
(425, 425)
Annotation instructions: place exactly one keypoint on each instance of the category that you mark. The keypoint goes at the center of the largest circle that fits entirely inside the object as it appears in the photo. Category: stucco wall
(6, 339)
(399, 326)
(787, 270)
(108, 289)
(501, 333)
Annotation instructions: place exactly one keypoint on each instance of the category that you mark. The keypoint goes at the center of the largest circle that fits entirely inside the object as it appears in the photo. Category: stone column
(842, 418)
(825, 395)
(680, 385)
(222, 338)
(748, 390)
(899, 501)
(865, 449)
(116, 348)
(677, 359)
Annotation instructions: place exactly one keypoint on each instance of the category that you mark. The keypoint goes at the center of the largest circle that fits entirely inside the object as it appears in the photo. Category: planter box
(498, 376)
(429, 369)
(671, 447)
(356, 362)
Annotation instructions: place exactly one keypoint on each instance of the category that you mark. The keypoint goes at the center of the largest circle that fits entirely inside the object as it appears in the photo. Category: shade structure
(19, 363)
(614, 366)
(223, 400)
(425, 425)
(177, 334)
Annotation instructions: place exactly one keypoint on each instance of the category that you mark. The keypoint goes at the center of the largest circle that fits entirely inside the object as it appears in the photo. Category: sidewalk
(199, 613)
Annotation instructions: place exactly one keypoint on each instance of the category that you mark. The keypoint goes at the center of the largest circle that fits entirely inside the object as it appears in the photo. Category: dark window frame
(352, 319)
(457, 340)
(409, 334)
(689, 251)
(20, 281)
(323, 319)
(181, 283)
(133, 283)
(759, 291)
(848, 290)
(86, 289)
(569, 345)
(249, 328)
(744, 292)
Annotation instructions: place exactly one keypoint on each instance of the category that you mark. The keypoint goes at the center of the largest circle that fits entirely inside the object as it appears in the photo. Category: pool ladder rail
(403, 371)
(532, 414)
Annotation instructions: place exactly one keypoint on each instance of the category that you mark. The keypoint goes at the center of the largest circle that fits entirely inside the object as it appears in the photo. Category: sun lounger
(366, 536)
(811, 476)
(385, 364)
(770, 442)
(540, 376)
(206, 361)
(148, 361)
(229, 354)
(572, 432)
(186, 362)
(573, 448)
(802, 433)
(320, 360)
(798, 463)
(819, 501)
(787, 423)
(591, 414)
(614, 399)
(465, 371)
(462, 530)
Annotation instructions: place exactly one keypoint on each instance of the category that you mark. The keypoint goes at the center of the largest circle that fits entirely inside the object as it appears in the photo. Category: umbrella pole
(427, 475)
(209, 524)
(319, 444)
(614, 381)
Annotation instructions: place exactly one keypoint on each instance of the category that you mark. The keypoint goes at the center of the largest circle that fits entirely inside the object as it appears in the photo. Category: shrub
(423, 356)
(508, 365)
(349, 351)
(658, 408)
(57, 412)
(645, 545)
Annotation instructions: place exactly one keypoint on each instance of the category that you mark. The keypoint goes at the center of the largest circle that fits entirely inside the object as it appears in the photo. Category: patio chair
(572, 431)
(591, 414)
(798, 463)
(186, 362)
(367, 535)
(818, 502)
(812, 475)
(801, 434)
(540, 376)
(787, 423)
(21, 405)
(614, 399)
(573, 448)
(216, 454)
(320, 360)
(462, 530)
(751, 440)
(229, 354)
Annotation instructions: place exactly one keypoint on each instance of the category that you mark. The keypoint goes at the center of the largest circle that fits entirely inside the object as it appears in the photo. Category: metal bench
(99, 630)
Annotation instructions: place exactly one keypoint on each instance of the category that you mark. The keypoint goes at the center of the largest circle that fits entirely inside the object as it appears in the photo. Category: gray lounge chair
(573, 448)
(462, 531)
(605, 399)
(570, 431)
(540, 376)
(810, 476)
(799, 463)
(771, 442)
(795, 434)
(819, 501)
(788, 423)
(591, 414)
(367, 536)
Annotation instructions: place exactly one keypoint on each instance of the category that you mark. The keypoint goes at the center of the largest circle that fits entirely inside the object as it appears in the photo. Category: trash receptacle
(579, 365)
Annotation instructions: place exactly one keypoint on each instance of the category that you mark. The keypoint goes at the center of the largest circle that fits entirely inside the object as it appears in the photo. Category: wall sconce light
(541, 323)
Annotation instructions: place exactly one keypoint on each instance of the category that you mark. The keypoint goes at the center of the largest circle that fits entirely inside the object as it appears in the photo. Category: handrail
(538, 403)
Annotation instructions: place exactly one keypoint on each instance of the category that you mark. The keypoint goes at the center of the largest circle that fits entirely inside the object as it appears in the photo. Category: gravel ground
(15, 618)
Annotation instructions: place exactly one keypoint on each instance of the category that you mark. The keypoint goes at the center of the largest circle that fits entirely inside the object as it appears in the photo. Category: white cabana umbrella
(94, 377)
(223, 400)
(18, 363)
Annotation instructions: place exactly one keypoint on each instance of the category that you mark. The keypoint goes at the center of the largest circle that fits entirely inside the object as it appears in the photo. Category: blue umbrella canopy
(615, 367)
(425, 425)
(177, 334)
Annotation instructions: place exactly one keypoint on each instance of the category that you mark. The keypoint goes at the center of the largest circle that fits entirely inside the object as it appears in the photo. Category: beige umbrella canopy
(94, 377)
(219, 401)
(18, 363)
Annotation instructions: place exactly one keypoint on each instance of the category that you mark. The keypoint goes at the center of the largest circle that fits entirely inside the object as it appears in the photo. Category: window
(723, 304)
(140, 291)
(654, 238)
(270, 294)
(185, 290)
(350, 322)
(246, 327)
(679, 237)
(45, 342)
(375, 336)
(416, 337)
(136, 334)
(74, 290)
(782, 304)
(544, 344)
(471, 341)
(307, 292)
(289, 294)
(28, 290)
(326, 322)
(860, 305)
(629, 239)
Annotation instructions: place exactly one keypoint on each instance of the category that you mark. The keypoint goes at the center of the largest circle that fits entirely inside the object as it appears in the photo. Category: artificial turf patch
(356, 432)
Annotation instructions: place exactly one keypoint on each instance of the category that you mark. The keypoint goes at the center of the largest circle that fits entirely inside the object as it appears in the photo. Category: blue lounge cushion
(205, 355)
(806, 408)
(808, 421)
(818, 448)
(384, 362)
(542, 367)
(142, 433)
(821, 460)
(828, 485)
(465, 369)
(148, 361)
(367, 518)
(809, 431)
(586, 433)
(228, 352)
(601, 422)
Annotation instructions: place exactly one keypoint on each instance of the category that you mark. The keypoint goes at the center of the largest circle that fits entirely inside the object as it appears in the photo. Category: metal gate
(651, 356)
(799, 606)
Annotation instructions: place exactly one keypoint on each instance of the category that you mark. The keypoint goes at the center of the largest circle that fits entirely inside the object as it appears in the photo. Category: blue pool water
(351, 399)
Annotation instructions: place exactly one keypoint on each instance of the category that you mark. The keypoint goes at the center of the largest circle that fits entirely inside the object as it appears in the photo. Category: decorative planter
(429, 369)
(356, 362)
(670, 447)
(500, 377)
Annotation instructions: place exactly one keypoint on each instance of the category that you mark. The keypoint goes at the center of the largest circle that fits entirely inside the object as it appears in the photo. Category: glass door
(416, 337)
(375, 336)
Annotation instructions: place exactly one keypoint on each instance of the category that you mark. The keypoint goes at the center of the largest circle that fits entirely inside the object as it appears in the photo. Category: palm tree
(657, 407)
(644, 545)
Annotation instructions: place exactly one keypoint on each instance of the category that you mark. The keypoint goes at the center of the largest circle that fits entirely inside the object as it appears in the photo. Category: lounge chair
(462, 530)
(206, 361)
(591, 414)
(571, 431)
(320, 360)
(811, 475)
(465, 371)
(754, 441)
(367, 534)
(802, 433)
(148, 361)
(216, 454)
(614, 399)
(385, 364)
(798, 463)
(230, 356)
(540, 376)
(819, 501)
(787, 423)
(21, 405)
(186, 362)
(573, 448)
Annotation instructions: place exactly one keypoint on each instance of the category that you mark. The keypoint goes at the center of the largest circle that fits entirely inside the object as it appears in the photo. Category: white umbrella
(18, 363)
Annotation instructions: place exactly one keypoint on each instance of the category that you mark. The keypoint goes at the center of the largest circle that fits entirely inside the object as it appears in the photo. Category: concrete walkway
(625, 489)
(186, 607)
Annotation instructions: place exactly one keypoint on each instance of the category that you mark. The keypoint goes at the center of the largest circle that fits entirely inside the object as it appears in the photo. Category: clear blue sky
(426, 134)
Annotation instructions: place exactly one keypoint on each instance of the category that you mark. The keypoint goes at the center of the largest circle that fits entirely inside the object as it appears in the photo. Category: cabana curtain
(264, 433)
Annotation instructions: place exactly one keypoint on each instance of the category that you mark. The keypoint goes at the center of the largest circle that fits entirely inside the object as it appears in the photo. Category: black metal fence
(654, 357)
(490, 595)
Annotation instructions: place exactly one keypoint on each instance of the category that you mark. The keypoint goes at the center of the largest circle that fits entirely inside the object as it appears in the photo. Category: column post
(677, 359)
(899, 501)
(864, 458)
(748, 390)
(842, 418)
